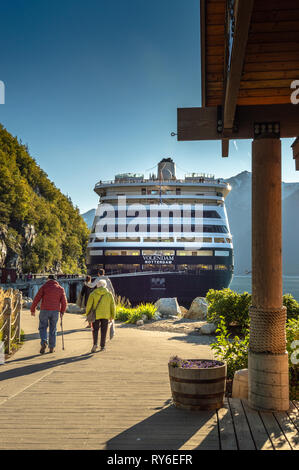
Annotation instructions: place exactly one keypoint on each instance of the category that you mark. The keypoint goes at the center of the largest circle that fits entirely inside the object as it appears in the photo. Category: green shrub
(147, 309)
(122, 314)
(292, 333)
(225, 304)
(292, 306)
(132, 315)
(234, 308)
(233, 351)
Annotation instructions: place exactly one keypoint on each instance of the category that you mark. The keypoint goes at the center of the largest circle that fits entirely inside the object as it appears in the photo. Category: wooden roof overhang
(249, 62)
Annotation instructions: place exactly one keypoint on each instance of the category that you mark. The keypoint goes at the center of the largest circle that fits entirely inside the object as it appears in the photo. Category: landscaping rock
(73, 308)
(198, 309)
(183, 310)
(168, 306)
(140, 322)
(144, 318)
(208, 329)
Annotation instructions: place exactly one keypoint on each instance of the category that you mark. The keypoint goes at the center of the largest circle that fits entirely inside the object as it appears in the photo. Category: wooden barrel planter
(198, 389)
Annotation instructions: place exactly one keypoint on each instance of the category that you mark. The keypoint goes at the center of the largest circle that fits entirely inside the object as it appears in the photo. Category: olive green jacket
(106, 308)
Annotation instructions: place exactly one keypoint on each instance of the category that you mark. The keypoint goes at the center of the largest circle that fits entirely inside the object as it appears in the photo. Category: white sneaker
(94, 348)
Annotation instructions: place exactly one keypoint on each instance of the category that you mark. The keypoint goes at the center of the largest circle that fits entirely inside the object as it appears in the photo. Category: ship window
(178, 191)
(158, 267)
(121, 268)
(228, 240)
(112, 252)
(219, 240)
(194, 267)
(143, 191)
(158, 252)
(220, 267)
(185, 239)
(205, 267)
(221, 253)
(122, 252)
(194, 253)
(211, 215)
(99, 239)
(215, 228)
(159, 239)
(207, 240)
(115, 239)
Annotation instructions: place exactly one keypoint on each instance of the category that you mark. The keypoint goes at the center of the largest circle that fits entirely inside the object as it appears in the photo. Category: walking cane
(62, 332)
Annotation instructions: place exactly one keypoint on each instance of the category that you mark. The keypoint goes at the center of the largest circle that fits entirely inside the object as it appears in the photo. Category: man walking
(53, 302)
(100, 277)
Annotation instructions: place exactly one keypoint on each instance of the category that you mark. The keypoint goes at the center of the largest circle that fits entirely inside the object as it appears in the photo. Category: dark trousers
(103, 323)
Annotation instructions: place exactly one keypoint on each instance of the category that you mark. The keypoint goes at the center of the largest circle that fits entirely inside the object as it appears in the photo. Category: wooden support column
(268, 359)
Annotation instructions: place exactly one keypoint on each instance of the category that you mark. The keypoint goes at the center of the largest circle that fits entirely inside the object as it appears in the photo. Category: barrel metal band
(198, 381)
(195, 396)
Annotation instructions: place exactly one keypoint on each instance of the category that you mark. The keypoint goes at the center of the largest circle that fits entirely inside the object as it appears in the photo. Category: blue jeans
(48, 318)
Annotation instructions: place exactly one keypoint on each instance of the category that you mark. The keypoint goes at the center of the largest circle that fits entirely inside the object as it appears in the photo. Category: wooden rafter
(243, 12)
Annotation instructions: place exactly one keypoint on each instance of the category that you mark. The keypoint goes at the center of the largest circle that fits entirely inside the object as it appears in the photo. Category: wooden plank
(201, 123)
(258, 431)
(203, 48)
(260, 48)
(206, 437)
(271, 75)
(215, 8)
(293, 414)
(226, 428)
(274, 56)
(243, 12)
(291, 65)
(275, 15)
(259, 84)
(275, 433)
(263, 38)
(289, 430)
(276, 26)
(264, 5)
(267, 101)
(243, 434)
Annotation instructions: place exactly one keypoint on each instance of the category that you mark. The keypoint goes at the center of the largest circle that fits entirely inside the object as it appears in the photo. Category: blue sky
(93, 86)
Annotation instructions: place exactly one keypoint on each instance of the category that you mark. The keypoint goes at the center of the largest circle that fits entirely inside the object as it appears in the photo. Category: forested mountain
(40, 229)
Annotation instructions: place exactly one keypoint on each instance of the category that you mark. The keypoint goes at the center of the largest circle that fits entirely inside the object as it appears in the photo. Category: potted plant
(197, 384)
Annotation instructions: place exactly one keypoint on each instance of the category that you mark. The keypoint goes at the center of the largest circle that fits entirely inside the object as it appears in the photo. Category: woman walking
(102, 301)
(84, 295)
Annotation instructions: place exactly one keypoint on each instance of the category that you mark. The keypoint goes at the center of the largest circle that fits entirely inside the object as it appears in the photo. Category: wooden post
(7, 319)
(19, 313)
(268, 359)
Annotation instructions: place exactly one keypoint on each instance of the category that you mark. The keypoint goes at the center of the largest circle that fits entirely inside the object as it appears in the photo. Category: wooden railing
(10, 319)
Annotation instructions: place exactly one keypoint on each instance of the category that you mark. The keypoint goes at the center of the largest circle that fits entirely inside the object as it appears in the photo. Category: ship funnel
(166, 169)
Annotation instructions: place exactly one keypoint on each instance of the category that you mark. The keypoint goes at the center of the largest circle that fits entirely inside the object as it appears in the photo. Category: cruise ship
(162, 236)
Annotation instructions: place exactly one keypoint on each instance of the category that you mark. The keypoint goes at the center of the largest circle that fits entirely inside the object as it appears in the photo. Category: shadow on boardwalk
(170, 428)
(41, 366)
(33, 336)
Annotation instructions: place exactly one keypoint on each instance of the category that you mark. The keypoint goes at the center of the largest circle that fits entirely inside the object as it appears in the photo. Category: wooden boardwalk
(120, 399)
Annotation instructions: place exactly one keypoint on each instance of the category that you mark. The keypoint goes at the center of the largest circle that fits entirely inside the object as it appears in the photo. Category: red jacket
(53, 297)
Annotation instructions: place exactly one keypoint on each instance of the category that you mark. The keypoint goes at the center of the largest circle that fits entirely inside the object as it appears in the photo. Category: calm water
(243, 283)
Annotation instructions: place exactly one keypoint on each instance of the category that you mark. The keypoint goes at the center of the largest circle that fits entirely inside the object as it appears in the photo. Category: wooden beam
(225, 148)
(201, 123)
(295, 147)
(203, 51)
(243, 12)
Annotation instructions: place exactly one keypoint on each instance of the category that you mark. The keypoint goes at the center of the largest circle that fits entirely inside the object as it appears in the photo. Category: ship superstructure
(162, 236)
